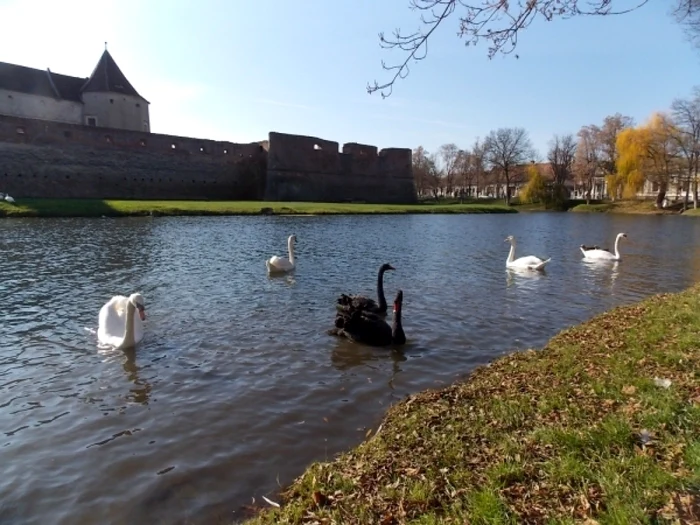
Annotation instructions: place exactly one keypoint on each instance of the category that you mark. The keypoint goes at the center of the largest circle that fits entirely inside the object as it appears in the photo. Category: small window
(20, 130)
(202, 149)
(91, 121)
(138, 105)
(225, 152)
(173, 146)
(111, 101)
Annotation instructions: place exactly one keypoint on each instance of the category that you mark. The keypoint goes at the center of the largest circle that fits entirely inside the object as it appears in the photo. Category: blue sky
(235, 70)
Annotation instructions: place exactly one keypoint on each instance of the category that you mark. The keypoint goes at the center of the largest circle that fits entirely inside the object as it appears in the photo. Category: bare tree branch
(499, 22)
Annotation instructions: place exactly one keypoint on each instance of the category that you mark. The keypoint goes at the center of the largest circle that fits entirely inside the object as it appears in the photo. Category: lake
(236, 387)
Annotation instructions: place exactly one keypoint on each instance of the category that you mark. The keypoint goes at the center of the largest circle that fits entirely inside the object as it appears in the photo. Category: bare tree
(587, 158)
(562, 151)
(478, 160)
(421, 170)
(686, 133)
(607, 141)
(499, 23)
(448, 155)
(507, 148)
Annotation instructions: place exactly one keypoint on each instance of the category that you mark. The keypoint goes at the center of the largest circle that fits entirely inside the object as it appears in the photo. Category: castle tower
(111, 101)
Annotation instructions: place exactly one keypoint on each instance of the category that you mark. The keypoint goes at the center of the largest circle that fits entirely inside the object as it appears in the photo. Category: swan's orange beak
(142, 313)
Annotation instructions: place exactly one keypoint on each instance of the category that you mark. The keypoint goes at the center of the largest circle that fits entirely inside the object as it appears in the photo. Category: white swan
(119, 326)
(7, 198)
(277, 264)
(528, 261)
(594, 252)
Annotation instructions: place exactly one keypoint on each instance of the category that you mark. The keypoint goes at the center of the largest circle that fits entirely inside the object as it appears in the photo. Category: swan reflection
(347, 355)
(602, 270)
(523, 277)
(142, 388)
(287, 279)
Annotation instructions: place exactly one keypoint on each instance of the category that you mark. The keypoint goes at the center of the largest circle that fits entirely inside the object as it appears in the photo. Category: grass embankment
(641, 207)
(117, 208)
(579, 432)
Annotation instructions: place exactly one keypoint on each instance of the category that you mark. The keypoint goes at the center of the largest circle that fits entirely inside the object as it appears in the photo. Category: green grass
(692, 212)
(551, 436)
(115, 208)
(637, 207)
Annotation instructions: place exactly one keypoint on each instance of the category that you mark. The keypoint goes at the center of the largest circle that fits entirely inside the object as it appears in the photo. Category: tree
(587, 159)
(421, 170)
(562, 151)
(607, 140)
(448, 155)
(499, 23)
(536, 188)
(647, 152)
(478, 160)
(686, 133)
(465, 173)
(505, 149)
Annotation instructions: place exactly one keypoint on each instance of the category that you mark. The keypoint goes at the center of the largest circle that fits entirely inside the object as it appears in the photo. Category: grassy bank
(118, 208)
(586, 430)
(645, 207)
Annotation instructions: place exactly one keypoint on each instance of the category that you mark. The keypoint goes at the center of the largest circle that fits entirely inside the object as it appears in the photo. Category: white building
(105, 99)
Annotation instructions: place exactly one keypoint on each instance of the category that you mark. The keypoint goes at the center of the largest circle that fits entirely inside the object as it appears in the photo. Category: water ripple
(236, 386)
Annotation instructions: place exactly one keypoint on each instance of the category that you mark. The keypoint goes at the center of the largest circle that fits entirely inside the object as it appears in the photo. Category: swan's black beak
(142, 311)
(390, 267)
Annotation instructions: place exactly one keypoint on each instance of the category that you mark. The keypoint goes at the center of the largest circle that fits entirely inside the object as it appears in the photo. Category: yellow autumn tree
(646, 152)
(536, 188)
(632, 163)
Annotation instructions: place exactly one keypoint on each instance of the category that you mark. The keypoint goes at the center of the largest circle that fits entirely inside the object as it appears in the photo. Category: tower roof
(108, 77)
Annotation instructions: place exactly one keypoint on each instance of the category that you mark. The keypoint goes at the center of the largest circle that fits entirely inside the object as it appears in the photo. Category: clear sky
(235, 70)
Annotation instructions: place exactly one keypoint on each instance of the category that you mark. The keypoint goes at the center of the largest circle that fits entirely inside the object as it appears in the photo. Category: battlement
(41, 132)
(51, 159)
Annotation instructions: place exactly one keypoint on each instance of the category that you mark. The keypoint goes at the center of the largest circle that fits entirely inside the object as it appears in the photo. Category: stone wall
(45, 159)
(302, 168)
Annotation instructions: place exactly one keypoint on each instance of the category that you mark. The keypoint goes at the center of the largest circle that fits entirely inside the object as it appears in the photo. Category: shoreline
(603, 423)
(56, 208)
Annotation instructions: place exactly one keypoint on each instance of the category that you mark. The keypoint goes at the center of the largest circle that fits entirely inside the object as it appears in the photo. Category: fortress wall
(43, 159)
(52, 160)
(297, 171)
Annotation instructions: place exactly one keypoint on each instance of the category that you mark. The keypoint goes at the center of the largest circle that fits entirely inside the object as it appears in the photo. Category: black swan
(363, 302)
(362, 326)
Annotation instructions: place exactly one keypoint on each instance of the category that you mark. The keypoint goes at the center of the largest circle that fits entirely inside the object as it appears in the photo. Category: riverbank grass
(636, 207)
(118, 208)
(600, 426)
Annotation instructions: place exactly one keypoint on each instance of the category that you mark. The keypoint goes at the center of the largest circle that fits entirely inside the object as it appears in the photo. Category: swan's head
(386, 266)
(398, 301)
(292, 238)
(510, 239)
(623, 235)
(137, 300)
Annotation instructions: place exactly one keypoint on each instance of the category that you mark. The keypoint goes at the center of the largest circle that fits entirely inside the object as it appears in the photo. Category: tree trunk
(660, 196)
(695, 187)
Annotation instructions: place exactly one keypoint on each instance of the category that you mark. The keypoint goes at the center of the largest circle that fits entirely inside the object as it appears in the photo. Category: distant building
(106, 99)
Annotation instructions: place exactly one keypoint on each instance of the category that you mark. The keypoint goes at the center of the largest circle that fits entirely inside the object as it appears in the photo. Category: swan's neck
(129, 330)
(380, 290)
(617, 252)
(290, 248)
(511, 254)
(397, 334)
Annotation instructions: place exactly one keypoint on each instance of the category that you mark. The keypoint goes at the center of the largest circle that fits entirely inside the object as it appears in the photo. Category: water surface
(236, 386)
